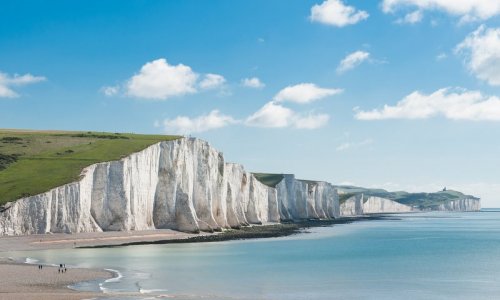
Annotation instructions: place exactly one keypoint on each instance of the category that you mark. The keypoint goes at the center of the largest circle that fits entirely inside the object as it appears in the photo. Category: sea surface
(412, 256)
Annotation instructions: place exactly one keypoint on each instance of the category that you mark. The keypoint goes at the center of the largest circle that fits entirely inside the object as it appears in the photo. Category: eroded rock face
(374, 205)
(353, 206)
(467, 204)
(183, 184)
(300, 199)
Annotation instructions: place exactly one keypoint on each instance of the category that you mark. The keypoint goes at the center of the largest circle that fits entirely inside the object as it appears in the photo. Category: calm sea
(419, 256)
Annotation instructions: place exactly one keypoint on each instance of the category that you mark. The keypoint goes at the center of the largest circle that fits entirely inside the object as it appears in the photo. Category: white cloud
(455, 104)
(468, 10)
(271, 115)
(7, 83)
(304, 93)
(186, 125)
(411, 18)
(212, 81)
(482, 54)
(253, 82)
(160, 80)
(336, 13)
(274, 115)
(110, 90)
(352, 145)
(352, 60)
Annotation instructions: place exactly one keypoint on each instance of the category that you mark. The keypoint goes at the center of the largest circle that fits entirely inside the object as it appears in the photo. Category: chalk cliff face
(359, 205)
(374, 205)
(183, 184)
(353, 206)
(301, 199)
(467, 204)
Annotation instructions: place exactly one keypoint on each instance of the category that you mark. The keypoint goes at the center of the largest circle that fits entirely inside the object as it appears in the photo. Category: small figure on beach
(58, 270)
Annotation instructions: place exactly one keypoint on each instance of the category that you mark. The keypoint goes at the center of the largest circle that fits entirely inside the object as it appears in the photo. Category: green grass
(270, 180)
(34, 162)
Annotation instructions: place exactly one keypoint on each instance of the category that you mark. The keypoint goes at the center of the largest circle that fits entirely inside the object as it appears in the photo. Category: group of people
(61, 269)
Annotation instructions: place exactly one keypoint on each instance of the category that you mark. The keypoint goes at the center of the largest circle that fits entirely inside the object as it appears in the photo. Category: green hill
(270, 180)
(419, 200)
(33, 162)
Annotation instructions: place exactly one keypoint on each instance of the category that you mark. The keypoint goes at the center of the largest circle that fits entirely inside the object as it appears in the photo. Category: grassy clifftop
(33, 162)
(270, 180)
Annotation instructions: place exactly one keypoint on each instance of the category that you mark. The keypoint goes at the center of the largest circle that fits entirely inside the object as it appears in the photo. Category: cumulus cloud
(8, 82)
(411, 18)
(336, 13)
(186, 125)
(481, 50)
(352, 60)
(468, 10)
(212, 81)
(275, 115)
(253, 82)
(304, 93)
(455, 104)
(160, 80)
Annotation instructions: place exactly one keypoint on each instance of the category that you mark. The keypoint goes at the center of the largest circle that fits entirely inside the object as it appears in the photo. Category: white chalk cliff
(183, 184)
(359, 205)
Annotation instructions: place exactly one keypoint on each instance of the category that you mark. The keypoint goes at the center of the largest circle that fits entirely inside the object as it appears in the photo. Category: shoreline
(25, 282)
(255, 231)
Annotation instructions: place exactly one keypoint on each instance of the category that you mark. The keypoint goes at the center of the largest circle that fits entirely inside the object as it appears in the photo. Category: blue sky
(279, 86)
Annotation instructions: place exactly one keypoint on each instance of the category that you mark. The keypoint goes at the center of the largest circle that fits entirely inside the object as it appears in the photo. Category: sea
(435, 255)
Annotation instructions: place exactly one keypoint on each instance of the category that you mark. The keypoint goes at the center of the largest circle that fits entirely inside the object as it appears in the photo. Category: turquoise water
(420, 256)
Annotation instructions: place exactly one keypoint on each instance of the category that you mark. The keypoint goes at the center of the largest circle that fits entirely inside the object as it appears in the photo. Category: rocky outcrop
(374, 205)
(467, 204)
(183, 184)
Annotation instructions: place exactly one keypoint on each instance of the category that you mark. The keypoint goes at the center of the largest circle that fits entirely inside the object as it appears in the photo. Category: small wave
(30, 260)
(117, 278)
(150, 291)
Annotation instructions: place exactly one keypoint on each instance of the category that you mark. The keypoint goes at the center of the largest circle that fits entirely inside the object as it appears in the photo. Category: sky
(394, 94)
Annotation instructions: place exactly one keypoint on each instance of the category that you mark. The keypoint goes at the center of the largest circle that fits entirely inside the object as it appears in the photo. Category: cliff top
(33, 162)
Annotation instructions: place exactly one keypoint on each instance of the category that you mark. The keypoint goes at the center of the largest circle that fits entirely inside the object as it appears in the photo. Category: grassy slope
(421, 200)
(270, 180)
(47, 159)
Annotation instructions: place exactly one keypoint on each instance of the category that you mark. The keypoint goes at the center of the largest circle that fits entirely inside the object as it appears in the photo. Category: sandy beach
(26, 281)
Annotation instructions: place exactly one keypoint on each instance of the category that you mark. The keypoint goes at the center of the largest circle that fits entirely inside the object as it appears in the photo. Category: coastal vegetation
(33, 162)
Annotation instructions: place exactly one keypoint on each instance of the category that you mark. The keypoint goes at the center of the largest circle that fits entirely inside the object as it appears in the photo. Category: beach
(27, 281)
